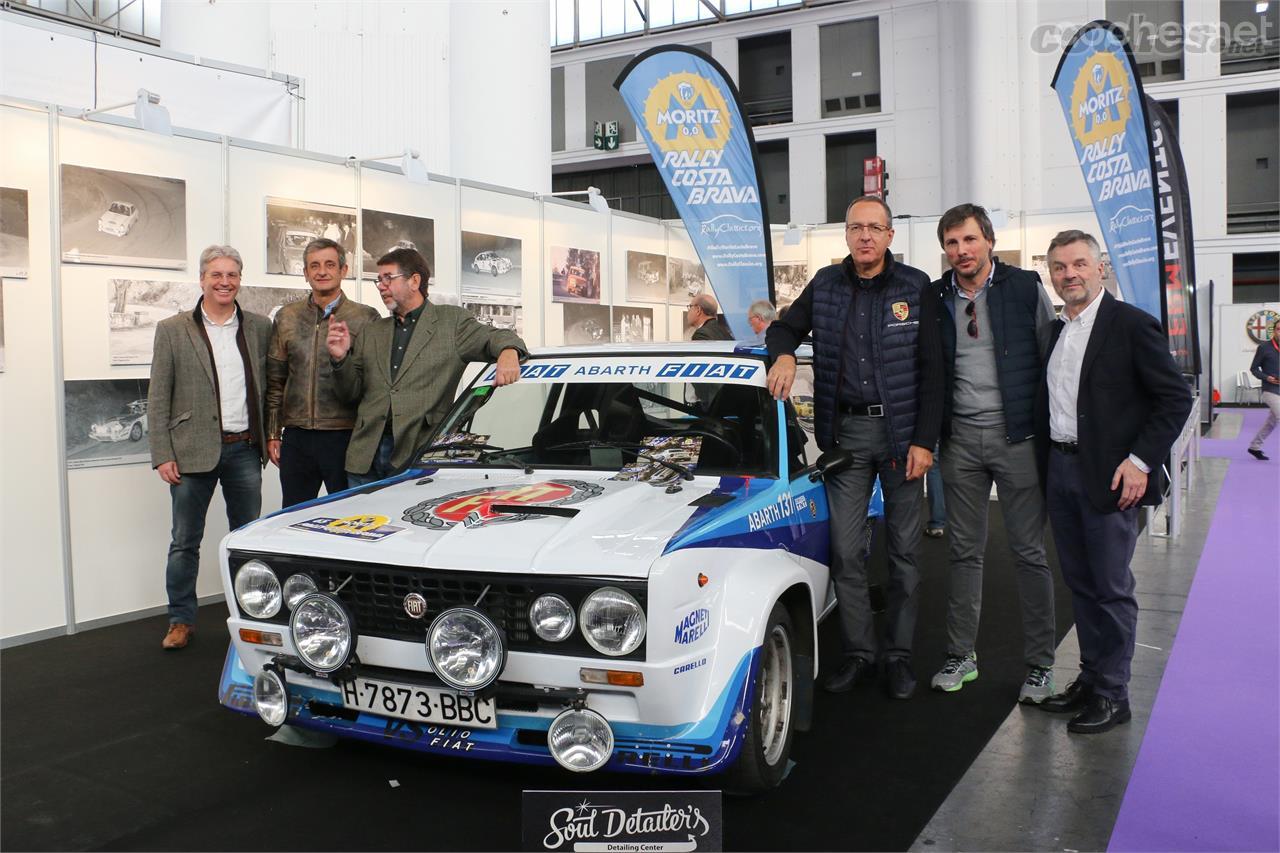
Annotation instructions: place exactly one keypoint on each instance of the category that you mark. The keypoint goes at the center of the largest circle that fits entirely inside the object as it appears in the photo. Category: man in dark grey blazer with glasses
(204, 405)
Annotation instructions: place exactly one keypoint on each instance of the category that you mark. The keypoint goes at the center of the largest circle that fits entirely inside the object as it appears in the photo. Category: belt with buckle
(875, 410)
(233, 437)
(1068, 447)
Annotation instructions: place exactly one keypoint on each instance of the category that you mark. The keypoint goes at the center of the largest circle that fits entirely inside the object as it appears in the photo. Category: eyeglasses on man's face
(386, 278)
(875, 229)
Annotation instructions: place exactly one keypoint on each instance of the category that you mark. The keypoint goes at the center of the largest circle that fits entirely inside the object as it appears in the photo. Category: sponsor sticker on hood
(475, 507)
(367, 528)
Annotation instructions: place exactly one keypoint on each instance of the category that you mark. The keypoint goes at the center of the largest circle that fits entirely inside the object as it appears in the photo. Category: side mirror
(831, 462)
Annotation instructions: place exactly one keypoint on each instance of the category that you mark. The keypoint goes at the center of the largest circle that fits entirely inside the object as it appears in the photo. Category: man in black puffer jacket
(994, 322)
(877, 377)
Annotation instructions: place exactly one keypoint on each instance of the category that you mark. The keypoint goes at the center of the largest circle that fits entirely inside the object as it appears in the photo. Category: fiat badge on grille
(415, 605)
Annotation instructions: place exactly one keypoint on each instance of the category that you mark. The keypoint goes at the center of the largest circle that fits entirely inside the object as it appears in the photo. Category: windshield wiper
(483, 453)
(628, 446)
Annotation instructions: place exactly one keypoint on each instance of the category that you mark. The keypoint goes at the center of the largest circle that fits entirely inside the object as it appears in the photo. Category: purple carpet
(1208, 774)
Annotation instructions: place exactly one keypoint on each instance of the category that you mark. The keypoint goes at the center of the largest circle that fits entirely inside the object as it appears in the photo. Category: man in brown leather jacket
(308, 426)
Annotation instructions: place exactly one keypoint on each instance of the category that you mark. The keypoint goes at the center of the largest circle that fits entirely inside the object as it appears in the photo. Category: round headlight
(296, 588)
(322, 632)
(270, 698)
(258, 590)
(552, 618)
(466, 649)
(580, 740)
(612, 621)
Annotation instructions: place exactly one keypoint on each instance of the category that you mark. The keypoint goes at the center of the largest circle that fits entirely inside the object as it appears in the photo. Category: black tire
(766, 749)
(135, 434)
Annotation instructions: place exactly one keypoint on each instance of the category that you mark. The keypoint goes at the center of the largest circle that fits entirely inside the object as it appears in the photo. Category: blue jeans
(381, 465)
(240, 472)
(933, 487)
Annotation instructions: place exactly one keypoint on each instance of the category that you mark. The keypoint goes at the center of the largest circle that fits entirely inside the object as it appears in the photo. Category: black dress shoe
(1100, 715)
(849, 674)
(1258, 454)
(902, 681)
(1069, 701)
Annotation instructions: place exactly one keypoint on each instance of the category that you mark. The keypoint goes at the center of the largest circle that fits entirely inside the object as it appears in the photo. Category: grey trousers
(972, 459)
(848, 493)
(1264, 431)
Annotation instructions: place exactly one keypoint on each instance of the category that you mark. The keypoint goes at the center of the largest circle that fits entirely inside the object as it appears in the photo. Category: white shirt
(1064, 376)
(233, 396)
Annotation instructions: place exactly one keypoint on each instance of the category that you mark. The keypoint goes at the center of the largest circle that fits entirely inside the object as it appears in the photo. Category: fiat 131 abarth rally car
(618, 562)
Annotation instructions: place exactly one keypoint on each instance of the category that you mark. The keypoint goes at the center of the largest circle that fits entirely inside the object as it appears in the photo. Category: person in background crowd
(1110, 406)
(759, 315)
(936, 527)
(994, 319)
(308, 427)
(204, 403)
(703, 317)
(877, 394)
(402, 378)
(1266, 366)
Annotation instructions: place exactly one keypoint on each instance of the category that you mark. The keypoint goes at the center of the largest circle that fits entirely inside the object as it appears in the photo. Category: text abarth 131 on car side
(618, 562)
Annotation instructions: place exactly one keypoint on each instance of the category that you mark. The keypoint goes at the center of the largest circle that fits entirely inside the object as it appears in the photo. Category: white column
(807, 165)
(236, 32)
(575, 106)
(500, 84)
(806, 73)
(725, 51)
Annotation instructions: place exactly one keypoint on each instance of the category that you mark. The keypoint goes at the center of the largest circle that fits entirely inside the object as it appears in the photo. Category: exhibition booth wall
(115, 220)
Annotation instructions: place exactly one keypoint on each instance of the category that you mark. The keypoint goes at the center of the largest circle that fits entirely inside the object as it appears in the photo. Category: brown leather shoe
(179, 635)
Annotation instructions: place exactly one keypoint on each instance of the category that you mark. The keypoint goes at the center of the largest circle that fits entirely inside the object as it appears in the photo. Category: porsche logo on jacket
(901, 310)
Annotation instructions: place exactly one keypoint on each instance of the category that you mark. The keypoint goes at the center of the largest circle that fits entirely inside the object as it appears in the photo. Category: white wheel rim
(774, 703)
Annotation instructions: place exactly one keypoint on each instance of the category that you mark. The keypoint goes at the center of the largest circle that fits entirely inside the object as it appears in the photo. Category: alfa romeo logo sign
(474, 507)
(1260, 324)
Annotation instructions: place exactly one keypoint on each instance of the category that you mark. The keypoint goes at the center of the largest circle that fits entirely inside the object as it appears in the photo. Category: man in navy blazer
(1110, 406)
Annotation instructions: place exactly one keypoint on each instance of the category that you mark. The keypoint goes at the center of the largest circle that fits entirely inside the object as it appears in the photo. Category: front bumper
(703, 746)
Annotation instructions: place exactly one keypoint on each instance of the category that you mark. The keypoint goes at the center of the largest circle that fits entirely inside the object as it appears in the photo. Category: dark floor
(110, 743)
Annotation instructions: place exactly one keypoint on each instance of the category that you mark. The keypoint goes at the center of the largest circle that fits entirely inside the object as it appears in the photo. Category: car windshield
(617, 414)
(296, 240)
(120, 207)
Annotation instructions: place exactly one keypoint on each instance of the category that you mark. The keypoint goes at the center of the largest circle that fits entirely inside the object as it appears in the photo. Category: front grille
(375, 595)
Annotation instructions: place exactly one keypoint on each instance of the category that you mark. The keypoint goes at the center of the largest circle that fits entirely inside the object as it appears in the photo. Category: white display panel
(506, 220)
(32, 588)
(632, 234)
(565, 227)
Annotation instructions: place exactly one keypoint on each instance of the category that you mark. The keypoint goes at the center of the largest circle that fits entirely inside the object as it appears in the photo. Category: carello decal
(693, 626)
(687, 667)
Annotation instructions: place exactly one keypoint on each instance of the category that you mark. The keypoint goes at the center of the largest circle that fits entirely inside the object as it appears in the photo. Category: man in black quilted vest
(994, 321)
(877, 377)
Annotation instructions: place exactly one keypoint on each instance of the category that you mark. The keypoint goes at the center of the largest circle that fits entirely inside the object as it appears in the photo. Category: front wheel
(763, 760)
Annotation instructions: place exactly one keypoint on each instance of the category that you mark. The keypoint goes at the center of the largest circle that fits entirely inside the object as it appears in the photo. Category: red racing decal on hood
(474, 507)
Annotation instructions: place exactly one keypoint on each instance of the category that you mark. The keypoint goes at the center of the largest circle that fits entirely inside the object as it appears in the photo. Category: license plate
(419, 704)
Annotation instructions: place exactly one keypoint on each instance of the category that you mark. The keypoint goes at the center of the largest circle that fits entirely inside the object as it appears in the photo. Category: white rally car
(618, 562)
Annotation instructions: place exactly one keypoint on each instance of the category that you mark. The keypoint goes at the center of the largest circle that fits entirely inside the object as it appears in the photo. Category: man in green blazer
(205, 409)
(402, 371)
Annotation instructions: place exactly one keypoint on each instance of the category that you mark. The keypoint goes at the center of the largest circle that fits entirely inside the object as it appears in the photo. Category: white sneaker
(956, 672)
(1038, 686)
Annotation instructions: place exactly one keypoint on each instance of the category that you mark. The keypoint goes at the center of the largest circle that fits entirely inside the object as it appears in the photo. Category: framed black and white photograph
(491, 266)
(685, 280)
(575, 275)
(789, 279)
(646, 277)
(106, 422)
(498, 315)
(15, 250)
(134, 307)
(123, 219)
(382, 232)
(632, 325)
(291, 225)
(585, 324)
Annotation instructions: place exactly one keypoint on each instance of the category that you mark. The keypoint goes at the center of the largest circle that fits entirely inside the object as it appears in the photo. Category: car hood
(117, 218)
(443, 519)
(109, 423)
